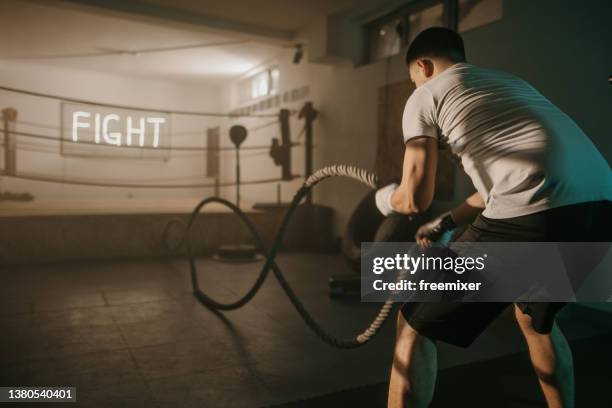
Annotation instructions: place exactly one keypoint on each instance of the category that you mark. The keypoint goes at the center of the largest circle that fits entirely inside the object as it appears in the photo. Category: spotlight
(299, 53)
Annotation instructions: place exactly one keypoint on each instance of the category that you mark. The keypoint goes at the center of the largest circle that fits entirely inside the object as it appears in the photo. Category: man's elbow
(412, 203)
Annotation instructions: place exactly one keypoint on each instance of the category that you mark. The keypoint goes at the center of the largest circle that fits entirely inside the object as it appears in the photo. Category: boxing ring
(46, 174)
(17, 139)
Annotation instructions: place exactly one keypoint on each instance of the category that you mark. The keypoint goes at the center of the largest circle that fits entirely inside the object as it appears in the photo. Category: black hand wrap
(447, 223)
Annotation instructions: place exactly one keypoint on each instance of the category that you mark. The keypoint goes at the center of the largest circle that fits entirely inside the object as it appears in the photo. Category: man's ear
(426, 66)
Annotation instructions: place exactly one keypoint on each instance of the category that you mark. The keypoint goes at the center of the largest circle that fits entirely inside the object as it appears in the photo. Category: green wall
(564, 49)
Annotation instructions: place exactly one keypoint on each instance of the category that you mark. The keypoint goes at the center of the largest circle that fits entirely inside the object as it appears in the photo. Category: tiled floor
(131, 334)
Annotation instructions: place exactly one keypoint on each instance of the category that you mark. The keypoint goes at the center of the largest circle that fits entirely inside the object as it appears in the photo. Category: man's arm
(462, 214)
(416, 190)
(468, 210)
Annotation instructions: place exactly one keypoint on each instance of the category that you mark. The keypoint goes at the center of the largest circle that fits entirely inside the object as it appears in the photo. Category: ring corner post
(285, 129)
(309, 114)
(9, 117)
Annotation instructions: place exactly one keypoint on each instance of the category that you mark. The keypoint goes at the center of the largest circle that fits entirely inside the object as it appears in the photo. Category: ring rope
(136, 108)
(360, 339)
(177, 148)
(93, 183)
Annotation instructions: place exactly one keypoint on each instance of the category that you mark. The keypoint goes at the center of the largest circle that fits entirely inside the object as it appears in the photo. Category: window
(262, 84)
(385, 40)
(274, 79)
(476, 13)
(387, 36)
(420, 20)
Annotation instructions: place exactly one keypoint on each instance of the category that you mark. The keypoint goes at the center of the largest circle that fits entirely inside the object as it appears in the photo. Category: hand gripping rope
(361, 175)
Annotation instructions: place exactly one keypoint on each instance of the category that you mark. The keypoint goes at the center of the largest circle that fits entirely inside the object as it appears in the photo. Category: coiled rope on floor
(355, 173)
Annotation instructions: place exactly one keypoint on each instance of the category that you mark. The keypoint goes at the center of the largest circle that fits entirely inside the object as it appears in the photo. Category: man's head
(431, 52)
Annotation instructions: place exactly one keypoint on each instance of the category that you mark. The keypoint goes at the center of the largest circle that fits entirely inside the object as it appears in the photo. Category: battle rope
(331, 171)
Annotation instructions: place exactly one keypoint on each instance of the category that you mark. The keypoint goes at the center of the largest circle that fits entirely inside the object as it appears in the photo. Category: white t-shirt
(523, 154)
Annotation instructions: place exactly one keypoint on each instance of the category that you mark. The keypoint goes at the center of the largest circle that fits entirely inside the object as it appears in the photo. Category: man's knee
(524, 321)
(404, 329)
(405, 338)
(408, 341)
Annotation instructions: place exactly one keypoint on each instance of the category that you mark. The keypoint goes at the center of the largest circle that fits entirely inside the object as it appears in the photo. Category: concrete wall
(258, 164)
(560, 47)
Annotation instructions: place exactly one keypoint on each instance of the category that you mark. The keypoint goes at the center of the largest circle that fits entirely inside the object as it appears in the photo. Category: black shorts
(461, 323)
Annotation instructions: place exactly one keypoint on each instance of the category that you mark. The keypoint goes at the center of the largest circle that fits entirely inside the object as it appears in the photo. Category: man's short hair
(436, 42)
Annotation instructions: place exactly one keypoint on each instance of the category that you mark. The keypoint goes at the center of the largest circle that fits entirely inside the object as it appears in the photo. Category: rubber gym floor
(130, 333)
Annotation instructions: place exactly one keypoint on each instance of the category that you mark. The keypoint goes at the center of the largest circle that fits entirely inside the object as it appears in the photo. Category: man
(538, 178)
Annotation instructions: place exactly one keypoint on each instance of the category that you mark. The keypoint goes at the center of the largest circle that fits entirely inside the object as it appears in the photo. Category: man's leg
(551, 357)
(413, 374)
